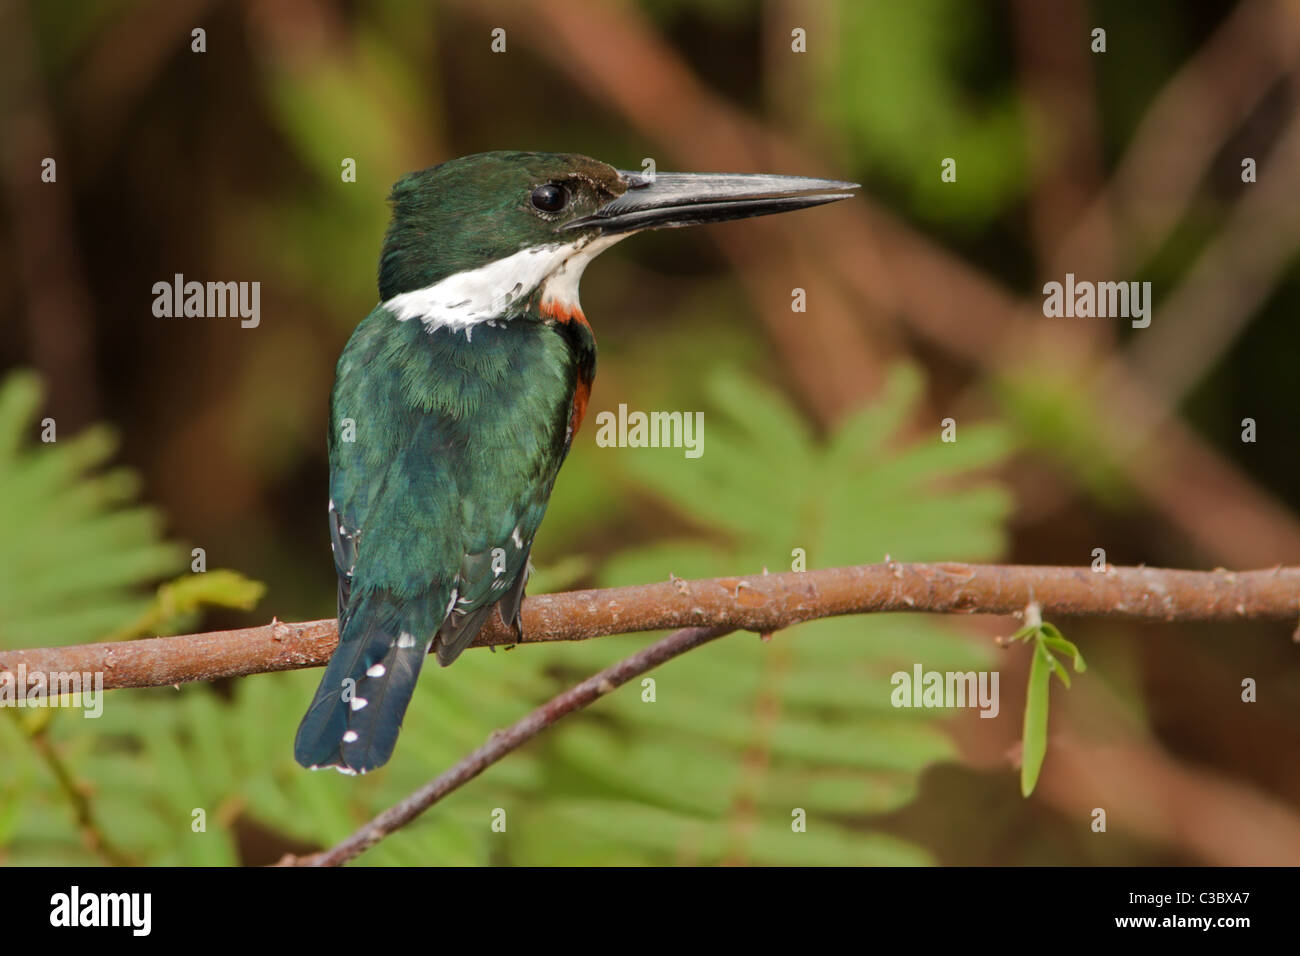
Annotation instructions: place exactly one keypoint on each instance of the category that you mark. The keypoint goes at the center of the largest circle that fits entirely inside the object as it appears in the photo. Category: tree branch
(760, 602)
(504, 742)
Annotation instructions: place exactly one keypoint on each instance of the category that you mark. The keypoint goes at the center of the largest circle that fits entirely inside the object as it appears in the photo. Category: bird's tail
(353, 721)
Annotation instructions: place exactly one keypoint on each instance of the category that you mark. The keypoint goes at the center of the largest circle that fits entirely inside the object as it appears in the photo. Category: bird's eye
(550, 198)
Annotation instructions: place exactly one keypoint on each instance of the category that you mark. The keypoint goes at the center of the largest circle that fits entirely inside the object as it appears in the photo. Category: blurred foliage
(77, 548)
(179, 603)
(82, 551)
(227, 165)
(1056, 420)
(739, 735)
(894, 56)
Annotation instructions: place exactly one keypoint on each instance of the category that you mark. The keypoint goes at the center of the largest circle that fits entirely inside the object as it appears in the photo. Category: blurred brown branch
(762, 603)
(1059, 80)
(1230, 280)
(503, 742)
(887, 268)
(1184, 128)
(1163, 799)
(58, 310)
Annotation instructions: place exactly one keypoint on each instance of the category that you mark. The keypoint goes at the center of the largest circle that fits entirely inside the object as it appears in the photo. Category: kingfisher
(456, 401)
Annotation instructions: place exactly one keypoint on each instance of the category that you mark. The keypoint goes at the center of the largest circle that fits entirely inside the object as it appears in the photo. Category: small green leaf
(1035, 730)
(1053, 639)
(1026, 632)
(1057, 668)
(178, 601)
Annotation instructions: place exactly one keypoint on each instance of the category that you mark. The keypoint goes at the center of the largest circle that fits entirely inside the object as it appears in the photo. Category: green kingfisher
(457, 399)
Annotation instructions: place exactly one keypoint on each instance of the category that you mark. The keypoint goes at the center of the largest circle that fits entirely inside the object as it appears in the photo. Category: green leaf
(1025, 633)
(1057, 669)
(740, 733)
(77, 551)
(181, 599)
(1035, 728)
(1053, 639)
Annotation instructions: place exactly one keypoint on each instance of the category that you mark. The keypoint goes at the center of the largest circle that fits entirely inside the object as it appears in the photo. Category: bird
(457, 399)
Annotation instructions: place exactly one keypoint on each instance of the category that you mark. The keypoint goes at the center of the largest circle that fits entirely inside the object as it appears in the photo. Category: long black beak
(686, 199)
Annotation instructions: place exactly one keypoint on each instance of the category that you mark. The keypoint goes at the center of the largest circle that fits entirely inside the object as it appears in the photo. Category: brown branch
(501, 743)
(761, 603)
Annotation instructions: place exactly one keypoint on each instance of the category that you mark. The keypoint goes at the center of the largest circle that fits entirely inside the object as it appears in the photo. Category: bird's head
(475, 237)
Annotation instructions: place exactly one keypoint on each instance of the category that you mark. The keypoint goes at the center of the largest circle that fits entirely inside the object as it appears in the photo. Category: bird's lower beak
(686, 199)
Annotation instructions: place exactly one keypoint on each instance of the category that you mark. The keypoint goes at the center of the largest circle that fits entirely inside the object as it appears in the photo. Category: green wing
(443, 453)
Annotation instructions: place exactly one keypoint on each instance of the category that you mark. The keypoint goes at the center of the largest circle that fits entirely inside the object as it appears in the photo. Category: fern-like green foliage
(75, 547)
(168, 774)
(77, 554)
(742, 737)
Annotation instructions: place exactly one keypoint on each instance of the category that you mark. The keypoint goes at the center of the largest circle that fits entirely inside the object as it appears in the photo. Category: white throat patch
(560, 287)
(475, 296)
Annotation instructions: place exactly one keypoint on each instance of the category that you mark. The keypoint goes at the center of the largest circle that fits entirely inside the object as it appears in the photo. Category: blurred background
(923, 303)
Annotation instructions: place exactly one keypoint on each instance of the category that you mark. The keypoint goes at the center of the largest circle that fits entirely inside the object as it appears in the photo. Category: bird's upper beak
(685, 199)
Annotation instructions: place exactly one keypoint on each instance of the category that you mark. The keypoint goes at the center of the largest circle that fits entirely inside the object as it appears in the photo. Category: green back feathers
(454, 441)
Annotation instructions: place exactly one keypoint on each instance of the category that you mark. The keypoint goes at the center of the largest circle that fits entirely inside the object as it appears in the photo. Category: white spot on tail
(375, 670)
(359, 702)
(350, 737)
(405, 641)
